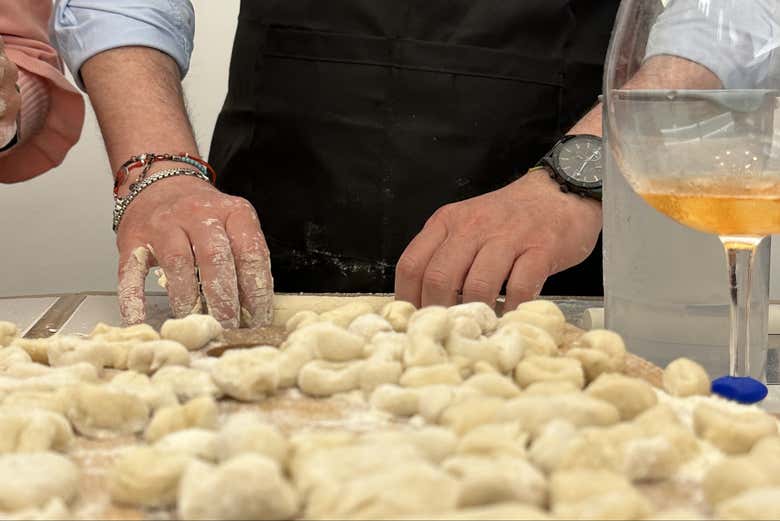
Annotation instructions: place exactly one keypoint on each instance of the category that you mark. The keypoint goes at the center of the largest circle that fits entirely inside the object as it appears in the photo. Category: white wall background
(55, 231)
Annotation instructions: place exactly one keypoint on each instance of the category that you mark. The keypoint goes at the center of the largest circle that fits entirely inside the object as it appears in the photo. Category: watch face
(580, 159)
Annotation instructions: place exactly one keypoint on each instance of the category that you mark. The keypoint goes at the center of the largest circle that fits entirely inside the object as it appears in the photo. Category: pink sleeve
(61, 116)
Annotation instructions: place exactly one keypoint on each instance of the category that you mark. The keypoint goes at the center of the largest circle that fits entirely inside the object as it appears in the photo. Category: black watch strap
(547, 162)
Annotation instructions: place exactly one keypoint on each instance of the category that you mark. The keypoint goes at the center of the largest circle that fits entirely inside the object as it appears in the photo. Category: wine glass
(691, 90)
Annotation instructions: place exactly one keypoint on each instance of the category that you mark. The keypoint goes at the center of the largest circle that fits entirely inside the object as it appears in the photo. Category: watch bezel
(574, 182)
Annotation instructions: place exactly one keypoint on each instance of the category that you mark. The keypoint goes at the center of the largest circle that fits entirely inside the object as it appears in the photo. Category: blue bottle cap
(741, 389)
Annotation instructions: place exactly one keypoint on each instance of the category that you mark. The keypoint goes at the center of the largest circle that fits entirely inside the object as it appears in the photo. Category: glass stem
(740, 253)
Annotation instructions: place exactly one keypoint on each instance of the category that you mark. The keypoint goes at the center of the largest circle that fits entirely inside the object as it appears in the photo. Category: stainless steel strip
(55, 316)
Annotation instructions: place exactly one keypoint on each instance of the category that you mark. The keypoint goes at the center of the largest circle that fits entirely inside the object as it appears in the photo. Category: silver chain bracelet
(121, 203)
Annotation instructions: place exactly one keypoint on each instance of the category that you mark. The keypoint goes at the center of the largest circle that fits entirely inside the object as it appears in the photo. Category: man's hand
(10, 100)
(522, 234)
(180, 223)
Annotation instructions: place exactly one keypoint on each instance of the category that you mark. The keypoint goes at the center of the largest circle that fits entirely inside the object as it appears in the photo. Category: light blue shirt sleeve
(83, 28)
(737, 40)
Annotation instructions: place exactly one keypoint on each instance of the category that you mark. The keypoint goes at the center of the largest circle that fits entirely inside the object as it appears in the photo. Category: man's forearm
(659, 72)
(137, 96)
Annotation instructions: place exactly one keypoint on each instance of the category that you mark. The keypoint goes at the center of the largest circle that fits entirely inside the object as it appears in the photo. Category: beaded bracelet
(121, 203)
(148, 159)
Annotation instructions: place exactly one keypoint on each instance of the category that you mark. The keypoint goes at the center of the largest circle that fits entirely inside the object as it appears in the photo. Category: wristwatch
(577, 164)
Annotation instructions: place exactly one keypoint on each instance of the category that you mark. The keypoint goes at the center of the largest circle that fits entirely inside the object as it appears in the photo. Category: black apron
(349, 122)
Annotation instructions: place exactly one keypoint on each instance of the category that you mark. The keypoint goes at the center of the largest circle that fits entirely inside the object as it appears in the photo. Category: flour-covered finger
(253, 267)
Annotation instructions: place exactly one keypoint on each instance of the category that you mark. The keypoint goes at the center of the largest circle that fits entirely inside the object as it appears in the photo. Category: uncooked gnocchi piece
(397, 313)
(433, 400)
(677, 514)
(301, 319)
(8, 332)
(506, 510)
(432, 321)
(138, 332)
(551, 388)
(480, 312)
(423, 487)
(43, 378)
(533, 340)
(65, 350)
(10, 356)
(627, 449)
(294, 355)
(471, 413)
(595, 494)
(465, 327)
(343, 315)
(684, 377)
(322, 459)
(369, 325)
(155, 395)
(200, 412)
(321, 378)
(534, 412)
(333, 343)
(37, 348)
(192, 331)
(53, 401)
(102, 411)
(387, 346)
(199, 443)
(398, 401)
(147, 477)
(32, 480)
(248, 374)
(424, 350)
(433, 443)
(51, 510)
(535, 369)
(81, 371)
(307, 443)
(733, 476)
(246, 432)
(760, 503)
(604, 341)
(631, 396)
(377, 371)
(594, 363)
(511, 345)
(473, 350)
(440, 374)
(493, 384)
(543, 314)
(187, 383)
(148, 357)
(33, 431)
(486, 480)
(495, 439)
(249, 486)
(730, 431)
(549, 447)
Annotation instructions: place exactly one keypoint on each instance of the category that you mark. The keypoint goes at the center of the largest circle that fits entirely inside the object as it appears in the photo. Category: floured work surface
(292, 411)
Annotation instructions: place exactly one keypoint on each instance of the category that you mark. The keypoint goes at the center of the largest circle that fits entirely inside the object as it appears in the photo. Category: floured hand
(180, 223)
